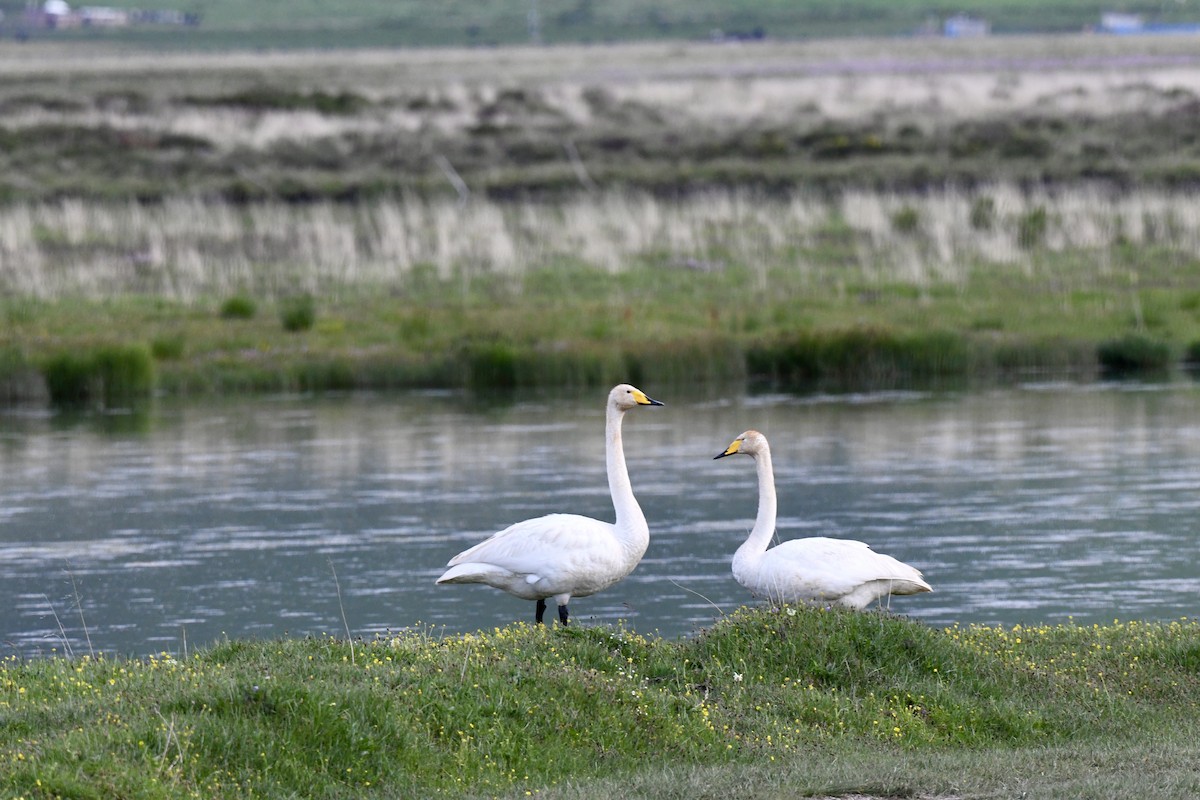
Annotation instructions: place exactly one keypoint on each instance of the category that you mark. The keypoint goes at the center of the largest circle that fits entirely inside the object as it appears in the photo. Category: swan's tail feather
(471, 572)
(913, 586)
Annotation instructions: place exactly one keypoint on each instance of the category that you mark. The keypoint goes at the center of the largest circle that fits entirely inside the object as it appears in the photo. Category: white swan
(837, 571)
(566, 555)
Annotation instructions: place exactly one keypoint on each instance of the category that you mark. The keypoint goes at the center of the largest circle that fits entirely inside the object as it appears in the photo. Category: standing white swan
(566, 555)
(837, 571)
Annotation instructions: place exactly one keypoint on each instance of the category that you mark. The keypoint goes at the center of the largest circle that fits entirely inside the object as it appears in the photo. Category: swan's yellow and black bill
(732, 449)
(642, 400)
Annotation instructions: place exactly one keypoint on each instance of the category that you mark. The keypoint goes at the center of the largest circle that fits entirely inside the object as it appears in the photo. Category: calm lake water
(261, 517)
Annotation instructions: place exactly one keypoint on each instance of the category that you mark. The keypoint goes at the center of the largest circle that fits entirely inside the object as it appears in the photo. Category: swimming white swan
(566, 555)
(821, 570)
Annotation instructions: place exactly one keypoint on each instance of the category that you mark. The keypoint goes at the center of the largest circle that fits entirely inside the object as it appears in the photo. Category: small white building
(1120, 22)
(962, 26)
(103, 17)
(55, 14)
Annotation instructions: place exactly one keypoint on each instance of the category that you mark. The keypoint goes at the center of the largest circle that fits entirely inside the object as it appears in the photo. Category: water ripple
(1037, 503)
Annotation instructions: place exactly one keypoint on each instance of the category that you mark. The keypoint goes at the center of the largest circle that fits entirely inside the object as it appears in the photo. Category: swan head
(751, 443)
(624, 397)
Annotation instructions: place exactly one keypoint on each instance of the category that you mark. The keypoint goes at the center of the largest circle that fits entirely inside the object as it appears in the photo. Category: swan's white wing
(557, 553)
(820, 568)
(532, 540)
(814, 568)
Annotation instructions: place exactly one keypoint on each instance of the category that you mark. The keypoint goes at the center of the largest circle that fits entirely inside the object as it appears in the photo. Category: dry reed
(187, 249)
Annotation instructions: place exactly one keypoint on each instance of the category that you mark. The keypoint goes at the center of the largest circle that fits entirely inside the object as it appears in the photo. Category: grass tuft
(268, 98)
(491, 365)
(906, 220)
(71, 378)
(239, 306)
(869, 354)
(107, 375)
(19, 379)
(298, 313)
(1133, 354)
(1032, 227)
(168, 347)
(982, 216)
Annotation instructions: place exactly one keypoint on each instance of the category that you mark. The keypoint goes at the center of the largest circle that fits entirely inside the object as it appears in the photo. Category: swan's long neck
(764, 524)
(631, 523)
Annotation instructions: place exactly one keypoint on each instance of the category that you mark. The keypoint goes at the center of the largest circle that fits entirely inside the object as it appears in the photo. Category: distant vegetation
(804, 290)
(667, 119)
(808, 213)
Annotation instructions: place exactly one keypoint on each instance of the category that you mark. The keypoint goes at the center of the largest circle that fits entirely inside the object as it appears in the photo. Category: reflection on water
(1030, 504)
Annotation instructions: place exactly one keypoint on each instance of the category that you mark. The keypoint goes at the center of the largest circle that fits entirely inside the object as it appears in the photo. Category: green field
(226, 24)
(764, 704)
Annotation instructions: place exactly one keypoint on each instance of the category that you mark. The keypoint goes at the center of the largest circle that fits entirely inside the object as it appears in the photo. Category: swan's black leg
(541, 610)
(562, 614)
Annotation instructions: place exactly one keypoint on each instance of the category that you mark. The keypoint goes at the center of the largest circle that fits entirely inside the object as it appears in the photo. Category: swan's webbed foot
(562, 614)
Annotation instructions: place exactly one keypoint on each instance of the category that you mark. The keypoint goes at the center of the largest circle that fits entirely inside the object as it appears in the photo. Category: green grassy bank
(765, 702)
(206, 356)
(579, 327)
(185, 352)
